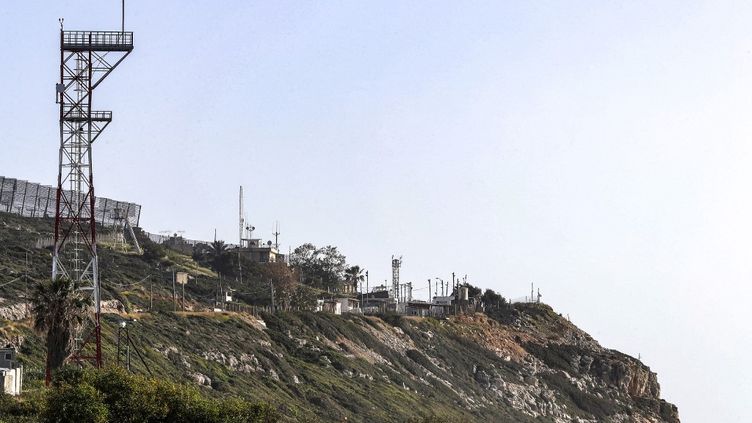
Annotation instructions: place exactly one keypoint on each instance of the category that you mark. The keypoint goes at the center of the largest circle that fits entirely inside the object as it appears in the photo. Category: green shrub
(74, 404)
(115, 395)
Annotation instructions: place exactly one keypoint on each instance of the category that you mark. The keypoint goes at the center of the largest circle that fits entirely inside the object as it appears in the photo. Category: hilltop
(523, 363)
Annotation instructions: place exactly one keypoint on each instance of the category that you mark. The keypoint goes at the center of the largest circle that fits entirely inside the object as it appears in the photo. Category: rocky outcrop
(18, 311)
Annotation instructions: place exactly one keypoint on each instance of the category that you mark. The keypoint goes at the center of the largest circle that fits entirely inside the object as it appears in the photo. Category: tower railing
(97, 40)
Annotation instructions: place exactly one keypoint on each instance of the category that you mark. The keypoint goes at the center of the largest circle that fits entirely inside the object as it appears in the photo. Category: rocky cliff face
(535, 366)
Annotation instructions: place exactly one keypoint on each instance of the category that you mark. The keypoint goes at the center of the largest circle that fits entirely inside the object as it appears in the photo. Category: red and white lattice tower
(86, 59)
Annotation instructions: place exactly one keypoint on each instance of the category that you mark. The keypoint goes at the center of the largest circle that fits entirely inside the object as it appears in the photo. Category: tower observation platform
(97, 41)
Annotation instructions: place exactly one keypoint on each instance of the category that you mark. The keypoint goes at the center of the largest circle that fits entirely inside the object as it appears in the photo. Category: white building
(11, 372)
(349, 305)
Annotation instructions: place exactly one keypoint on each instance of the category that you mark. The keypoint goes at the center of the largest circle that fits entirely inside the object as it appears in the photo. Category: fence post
(36, 201)
(47, 204)
(12, 196)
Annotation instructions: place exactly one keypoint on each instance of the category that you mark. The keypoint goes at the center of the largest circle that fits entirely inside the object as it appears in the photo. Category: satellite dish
(269, 243)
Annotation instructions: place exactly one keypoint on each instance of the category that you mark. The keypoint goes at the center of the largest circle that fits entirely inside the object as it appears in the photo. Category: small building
(376, 301)
(261, 253)
(441, 305)
(11, 371)
(349, 305)
(418, 308)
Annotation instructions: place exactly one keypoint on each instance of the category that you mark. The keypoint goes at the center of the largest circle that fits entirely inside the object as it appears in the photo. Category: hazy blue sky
(599, 149)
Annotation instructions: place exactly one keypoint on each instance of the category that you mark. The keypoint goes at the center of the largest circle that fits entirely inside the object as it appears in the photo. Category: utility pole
(456, 293)
(182, 303)
(151, 293)
(174, 294)
(221, 295)
(240, 268)
(430, 298)
(26, 283)
(271, 287)
(366, 281)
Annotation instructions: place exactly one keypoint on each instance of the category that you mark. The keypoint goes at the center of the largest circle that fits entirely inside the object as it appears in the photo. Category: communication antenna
(531, 292)
(241, 219)
(396, 264)
(276, 236)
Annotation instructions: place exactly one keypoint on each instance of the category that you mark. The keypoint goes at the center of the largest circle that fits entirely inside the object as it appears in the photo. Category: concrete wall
(12, 380)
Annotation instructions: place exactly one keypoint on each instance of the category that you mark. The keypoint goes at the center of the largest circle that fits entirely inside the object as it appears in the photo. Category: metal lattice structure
(86, 59)
(396, 264)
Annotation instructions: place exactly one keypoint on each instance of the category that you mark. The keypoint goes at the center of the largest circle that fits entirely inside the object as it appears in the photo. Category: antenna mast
(276, 236)
(396, 264)
(241, 221)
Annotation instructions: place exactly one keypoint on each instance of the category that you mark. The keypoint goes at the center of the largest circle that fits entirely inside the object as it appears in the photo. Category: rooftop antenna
(276, 236)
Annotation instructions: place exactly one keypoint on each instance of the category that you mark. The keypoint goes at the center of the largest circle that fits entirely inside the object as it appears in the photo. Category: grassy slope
(311, 365)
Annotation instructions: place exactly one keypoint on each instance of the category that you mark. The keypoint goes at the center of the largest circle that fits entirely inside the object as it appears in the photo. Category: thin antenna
(122, 17)
(276, 236)
(240, 217)
(531, 292)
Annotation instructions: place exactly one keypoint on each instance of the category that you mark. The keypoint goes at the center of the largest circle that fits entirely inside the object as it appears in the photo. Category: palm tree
(58, 308)
(218, 256)
(353, 275)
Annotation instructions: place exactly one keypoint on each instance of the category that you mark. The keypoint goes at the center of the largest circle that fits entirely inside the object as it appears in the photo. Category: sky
(600, 150)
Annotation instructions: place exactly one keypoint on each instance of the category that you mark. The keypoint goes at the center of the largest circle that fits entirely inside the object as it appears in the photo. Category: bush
(115, 395)
(74, 404)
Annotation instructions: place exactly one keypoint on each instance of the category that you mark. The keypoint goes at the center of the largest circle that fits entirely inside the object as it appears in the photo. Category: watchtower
(86, 59)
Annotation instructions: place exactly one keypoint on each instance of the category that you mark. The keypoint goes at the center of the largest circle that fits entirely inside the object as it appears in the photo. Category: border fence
(35, 200)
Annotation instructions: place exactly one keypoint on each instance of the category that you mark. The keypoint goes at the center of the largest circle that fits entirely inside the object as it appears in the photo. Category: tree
(353, 275)
(215, 255)
(492, 300)
(321, 267)
(472, 290)
(284, 280)
(58, 308)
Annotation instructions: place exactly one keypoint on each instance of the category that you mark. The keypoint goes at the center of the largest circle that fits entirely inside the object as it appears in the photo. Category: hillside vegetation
(519, 364)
